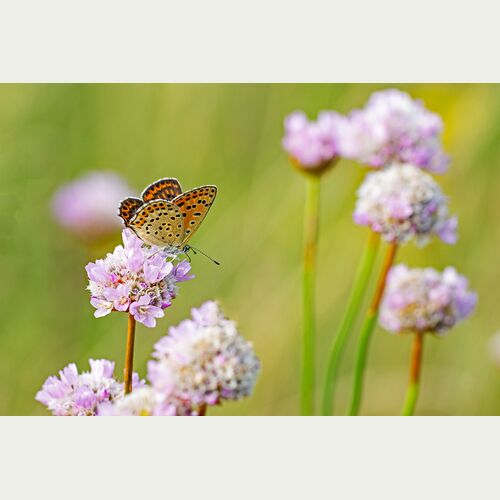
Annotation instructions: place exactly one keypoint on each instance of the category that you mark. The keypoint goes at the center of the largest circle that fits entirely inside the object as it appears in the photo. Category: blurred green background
(230, 135)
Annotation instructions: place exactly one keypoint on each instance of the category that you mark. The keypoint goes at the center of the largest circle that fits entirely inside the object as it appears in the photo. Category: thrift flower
(403, 202)
(145, 402)
(312, 145)
(204, 360)
(424, 300)
(137, 279)
(87, 206)
(394, 128)
(144, 312)
(74, 394)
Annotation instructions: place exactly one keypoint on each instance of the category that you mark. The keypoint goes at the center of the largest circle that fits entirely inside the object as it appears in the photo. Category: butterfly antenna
(202, 253)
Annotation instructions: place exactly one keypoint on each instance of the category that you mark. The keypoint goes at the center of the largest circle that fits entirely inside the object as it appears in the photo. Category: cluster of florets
(403, 202)
(136, 278)
(147, 402)
(312, 144)
(74, 394)
(424, 300)
(87, 206)
(204, 360)
(393, 127)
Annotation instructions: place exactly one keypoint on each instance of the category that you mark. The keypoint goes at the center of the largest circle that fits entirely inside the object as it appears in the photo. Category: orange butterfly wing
(159, 222)
(128, 208)
(163, 189)
(194, 206)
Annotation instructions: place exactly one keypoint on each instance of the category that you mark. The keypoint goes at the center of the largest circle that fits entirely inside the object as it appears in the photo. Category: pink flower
(208, 314)
(87, 206)
(394, 128)
(146, 402)
(424, 300)
(74, 394)
(403, 202)
(204, 360)
(156, 268)
(101, 368)
(312, 144)
(138, 276)
(96, 271)
(146, 313)
(182, 271)
(103, 307)
(119, 296)
(448, 231)
(131, 242)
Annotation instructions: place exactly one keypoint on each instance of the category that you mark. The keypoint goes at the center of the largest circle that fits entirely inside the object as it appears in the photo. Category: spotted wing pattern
(159, 222)
(194, 206)
(128, 208)
(163, 189)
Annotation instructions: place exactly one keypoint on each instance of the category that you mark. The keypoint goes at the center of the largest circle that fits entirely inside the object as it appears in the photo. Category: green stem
(367, 330)
(363, 273)
(410, 400)
(364, 341)
(308, 285)
(414, 383)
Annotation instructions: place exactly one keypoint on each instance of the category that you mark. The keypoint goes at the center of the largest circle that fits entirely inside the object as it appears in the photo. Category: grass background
(229, 135)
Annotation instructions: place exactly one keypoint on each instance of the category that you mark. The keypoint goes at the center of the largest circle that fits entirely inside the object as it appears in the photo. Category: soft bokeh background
(230, 135)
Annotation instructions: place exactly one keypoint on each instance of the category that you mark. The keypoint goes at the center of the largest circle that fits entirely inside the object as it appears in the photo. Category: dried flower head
(403, 202)
(74, 394)
(312, 145)
(204, 360)
(87, 206)
(136, 278)
(424, 300)
(394, 128)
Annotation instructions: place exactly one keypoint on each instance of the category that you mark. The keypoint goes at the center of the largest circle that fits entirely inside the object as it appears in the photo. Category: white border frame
(249, 41)
(250, 457)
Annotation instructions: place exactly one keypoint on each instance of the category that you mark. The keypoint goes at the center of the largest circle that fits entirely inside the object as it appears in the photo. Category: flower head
(403, 202)
(144, 312)
(145, 402)
(204, 360)
(424, 300)
(74, 394)
(312, 145)
(394, 128)
(135, 278)
(87, 206)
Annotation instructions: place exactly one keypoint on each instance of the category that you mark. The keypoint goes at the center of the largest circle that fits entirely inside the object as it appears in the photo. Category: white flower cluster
(393, 127)
(145, 402)
(204, 360)
(403, 202)
(425, 300)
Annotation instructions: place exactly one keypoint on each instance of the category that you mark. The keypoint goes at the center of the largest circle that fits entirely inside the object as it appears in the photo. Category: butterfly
(165, 216)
